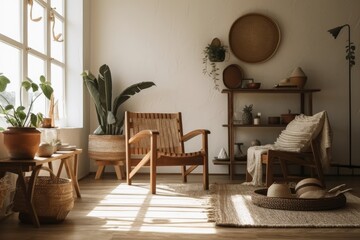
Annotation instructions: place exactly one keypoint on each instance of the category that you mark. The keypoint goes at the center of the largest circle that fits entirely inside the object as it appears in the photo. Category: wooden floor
(79, 225)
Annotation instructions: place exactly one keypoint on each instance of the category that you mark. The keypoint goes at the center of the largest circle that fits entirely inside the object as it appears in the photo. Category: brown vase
(22, 143)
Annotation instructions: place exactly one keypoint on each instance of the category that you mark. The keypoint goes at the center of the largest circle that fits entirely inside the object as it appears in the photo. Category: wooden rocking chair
(156, 139)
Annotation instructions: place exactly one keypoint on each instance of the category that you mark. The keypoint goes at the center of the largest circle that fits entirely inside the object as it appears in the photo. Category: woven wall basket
(53, 199)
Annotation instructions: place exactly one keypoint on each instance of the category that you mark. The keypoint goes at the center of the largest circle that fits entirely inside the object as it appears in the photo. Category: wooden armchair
(156, 139)
(310, 160)
(306, 142)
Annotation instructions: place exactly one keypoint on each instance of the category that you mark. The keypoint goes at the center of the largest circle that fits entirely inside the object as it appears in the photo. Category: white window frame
(22, 45)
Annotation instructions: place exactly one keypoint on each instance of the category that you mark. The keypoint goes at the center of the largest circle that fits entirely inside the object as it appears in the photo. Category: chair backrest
(169, 126)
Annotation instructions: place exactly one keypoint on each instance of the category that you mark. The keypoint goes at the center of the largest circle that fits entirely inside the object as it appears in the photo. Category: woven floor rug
(233, 208)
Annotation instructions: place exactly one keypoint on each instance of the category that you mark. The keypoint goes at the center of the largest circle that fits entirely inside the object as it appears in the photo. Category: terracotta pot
(107, 147)
(22, 143)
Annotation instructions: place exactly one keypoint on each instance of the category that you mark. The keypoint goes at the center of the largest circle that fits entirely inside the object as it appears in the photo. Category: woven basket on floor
(4, 188)
(260, 199)
(53, 199)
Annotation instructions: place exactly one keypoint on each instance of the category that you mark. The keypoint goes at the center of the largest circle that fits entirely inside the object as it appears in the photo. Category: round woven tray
(254, 38)
(260, 199)
(232, 76)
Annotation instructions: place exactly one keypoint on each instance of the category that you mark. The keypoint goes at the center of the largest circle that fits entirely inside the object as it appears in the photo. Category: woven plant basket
(53, 199)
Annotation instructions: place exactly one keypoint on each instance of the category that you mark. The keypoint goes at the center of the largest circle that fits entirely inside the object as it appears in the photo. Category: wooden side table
(69, 160)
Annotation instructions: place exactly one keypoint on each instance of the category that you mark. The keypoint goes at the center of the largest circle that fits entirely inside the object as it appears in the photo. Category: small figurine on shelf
(222, 154)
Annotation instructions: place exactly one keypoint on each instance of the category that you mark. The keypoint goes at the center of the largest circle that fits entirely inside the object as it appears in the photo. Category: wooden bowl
(274, 120)
(287, 118)
(253, 85)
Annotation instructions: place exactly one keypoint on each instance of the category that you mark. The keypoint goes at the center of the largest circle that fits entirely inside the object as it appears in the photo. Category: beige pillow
(300, 132)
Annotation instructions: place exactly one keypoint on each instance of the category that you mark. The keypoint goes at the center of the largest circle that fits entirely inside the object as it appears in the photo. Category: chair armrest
(194, 133)
(142, 134)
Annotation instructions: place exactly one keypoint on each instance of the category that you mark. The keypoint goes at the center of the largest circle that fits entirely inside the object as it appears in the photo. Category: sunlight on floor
(133, 208)
(241, 210)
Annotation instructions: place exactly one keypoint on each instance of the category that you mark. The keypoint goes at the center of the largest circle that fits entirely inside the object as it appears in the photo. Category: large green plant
(100, 90)
(21, 116)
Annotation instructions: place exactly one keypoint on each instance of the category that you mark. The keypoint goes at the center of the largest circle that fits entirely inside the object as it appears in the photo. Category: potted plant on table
(21, 138)
(107, 143)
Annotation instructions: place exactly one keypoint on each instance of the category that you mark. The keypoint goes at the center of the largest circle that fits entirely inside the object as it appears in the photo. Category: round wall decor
(254, 38)
(232, 76)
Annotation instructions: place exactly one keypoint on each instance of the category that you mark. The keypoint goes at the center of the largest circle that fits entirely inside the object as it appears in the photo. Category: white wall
(163, 40)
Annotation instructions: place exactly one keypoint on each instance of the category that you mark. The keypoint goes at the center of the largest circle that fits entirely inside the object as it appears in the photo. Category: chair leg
(128, 171)
(316, 156)
(153, 172)
(269, 171)
(119, 172)
(248, 177)
(206, 174)
(99, 172)
(183, 173)
(284, 170)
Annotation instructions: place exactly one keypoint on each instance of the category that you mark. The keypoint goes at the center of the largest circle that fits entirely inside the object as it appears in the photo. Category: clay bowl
(253, 85)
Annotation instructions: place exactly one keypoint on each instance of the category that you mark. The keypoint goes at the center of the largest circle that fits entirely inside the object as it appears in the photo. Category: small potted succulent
(21, 137)
(213, 53)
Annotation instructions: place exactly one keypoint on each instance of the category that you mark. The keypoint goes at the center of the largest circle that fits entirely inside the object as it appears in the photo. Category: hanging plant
(350, 53)
(213, 53)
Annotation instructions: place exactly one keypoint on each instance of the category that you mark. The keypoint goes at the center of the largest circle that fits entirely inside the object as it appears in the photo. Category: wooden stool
(118, 165)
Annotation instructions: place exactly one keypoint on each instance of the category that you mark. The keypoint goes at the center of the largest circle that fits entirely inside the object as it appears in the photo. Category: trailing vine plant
(213, 53)
(350, 53)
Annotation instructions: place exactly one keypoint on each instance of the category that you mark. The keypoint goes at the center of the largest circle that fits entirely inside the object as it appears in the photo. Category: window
(32, 43)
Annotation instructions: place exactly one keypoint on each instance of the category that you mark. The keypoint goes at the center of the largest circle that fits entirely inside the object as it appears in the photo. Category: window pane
(36, 68)
(58, 5)
(57, 48)
(10, 12)
(57, 82)
(36, 30)
(10, 59)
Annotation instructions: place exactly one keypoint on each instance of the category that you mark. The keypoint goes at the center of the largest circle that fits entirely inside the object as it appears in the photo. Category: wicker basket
(260, 199)
(4, 188)
(53, 199)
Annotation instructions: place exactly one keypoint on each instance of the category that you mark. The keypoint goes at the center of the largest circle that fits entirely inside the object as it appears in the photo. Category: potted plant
(107, 143)
(213, 53)
(21, 138)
